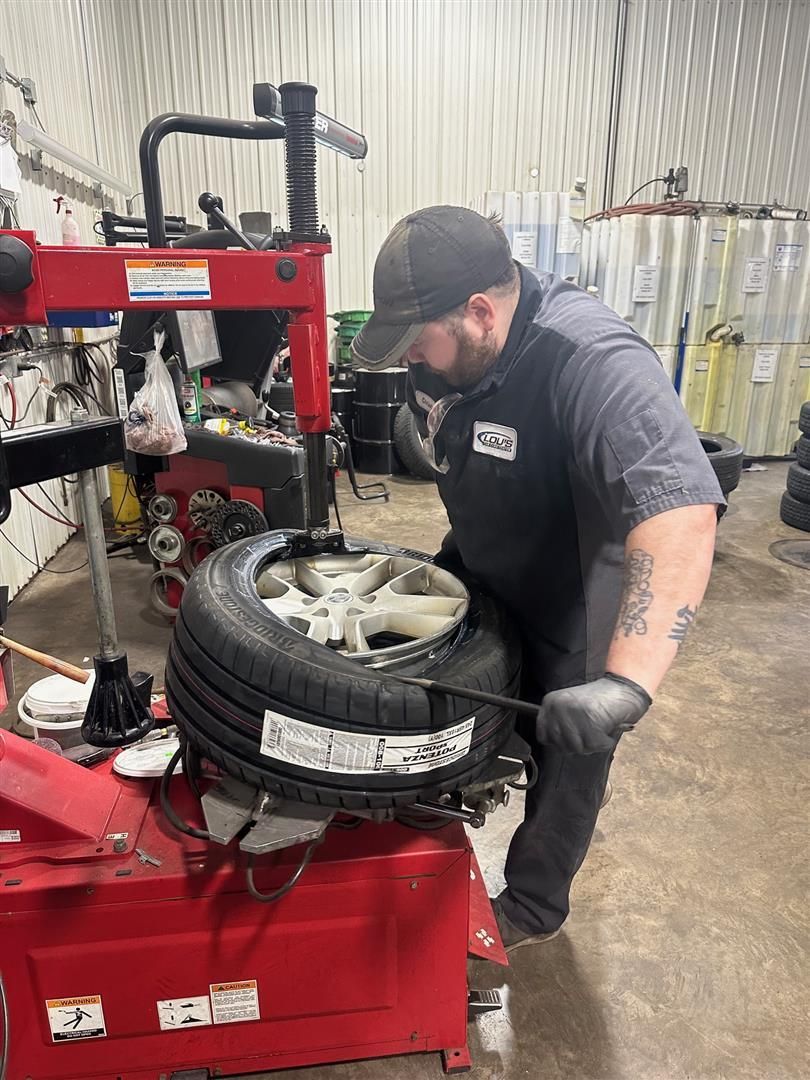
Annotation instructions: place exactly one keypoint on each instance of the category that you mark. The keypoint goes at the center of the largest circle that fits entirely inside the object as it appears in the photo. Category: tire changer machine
(130, 950)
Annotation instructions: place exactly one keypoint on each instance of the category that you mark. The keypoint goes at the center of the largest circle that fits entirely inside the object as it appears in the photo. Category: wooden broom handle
(61, 667)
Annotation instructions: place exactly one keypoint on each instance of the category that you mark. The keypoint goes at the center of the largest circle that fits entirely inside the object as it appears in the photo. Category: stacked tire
(725, 457)
(795, 506)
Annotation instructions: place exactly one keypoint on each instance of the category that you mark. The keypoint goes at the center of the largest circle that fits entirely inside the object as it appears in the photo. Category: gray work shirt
(570, 440)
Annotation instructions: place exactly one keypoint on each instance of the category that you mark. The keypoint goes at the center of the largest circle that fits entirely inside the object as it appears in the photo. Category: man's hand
(590, 718)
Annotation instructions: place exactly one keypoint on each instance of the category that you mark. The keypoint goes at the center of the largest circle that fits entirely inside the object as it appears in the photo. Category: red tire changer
(130, 950)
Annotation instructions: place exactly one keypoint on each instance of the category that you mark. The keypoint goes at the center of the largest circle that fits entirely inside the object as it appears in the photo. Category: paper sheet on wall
(765, 361)
(666, 354)
(755, 276)
(787, 257)
(569, 236)
(524, 248)
(645, 284)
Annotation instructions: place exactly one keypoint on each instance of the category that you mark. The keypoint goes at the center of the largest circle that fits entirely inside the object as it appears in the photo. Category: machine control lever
(211, 205)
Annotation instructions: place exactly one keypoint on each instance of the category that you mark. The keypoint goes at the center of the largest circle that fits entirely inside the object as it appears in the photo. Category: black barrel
(371, 456)
(381, 387)
(377, 399)
(375, 422)
(343, 405)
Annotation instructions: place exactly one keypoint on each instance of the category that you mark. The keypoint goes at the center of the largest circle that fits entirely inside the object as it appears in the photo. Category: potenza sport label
(495, 439)
(355, 753)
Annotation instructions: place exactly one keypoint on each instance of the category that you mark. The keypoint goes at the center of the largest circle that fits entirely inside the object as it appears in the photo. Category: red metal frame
(92, 279)
(365, 958)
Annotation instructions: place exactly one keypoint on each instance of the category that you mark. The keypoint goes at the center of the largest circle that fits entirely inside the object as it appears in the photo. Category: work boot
(512, 936)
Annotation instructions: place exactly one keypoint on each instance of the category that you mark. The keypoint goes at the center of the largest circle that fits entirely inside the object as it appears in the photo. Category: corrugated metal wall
(455, 98)
(47, 42)
(722, 86)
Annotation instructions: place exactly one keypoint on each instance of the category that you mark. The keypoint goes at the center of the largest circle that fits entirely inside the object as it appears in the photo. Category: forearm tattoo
(636, 594)
(685, 616)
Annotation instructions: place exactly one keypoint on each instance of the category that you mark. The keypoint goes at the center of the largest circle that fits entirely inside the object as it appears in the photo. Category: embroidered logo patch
(494, 439)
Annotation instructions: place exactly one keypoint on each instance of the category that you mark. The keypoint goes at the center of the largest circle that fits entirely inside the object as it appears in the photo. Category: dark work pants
(550, 845)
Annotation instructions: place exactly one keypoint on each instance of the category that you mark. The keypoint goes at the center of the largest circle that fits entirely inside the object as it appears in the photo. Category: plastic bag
(153, 425)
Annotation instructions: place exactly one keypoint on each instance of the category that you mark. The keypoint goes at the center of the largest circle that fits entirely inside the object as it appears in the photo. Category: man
(577, 492)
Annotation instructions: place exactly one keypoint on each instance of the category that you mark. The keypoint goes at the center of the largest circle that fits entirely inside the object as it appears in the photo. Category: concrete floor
(685, 957)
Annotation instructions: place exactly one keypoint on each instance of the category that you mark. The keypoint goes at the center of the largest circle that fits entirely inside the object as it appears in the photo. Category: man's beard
(473, 358)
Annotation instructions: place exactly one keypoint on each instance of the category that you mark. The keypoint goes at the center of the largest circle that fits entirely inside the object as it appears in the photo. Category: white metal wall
(47, 42)
(722, 86)
(455, 98)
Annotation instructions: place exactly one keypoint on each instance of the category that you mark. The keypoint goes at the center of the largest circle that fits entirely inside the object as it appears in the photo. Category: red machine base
(143, 963)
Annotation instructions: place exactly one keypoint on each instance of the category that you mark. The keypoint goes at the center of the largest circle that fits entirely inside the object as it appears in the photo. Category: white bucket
(53, 708)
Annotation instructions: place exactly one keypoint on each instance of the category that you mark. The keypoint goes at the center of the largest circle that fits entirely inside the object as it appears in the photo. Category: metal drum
(377, 399)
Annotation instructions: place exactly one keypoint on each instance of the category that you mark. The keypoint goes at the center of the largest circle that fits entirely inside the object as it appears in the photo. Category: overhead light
(62, 153)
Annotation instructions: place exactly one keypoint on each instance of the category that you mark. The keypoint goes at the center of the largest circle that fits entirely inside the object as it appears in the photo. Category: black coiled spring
(302, 194)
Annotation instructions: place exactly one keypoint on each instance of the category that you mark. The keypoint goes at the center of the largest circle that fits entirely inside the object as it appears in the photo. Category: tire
(231, 659)
(409, 446)
(795, 513)
(803, 452)
(804, 418)
(726, 458)
(798, 483)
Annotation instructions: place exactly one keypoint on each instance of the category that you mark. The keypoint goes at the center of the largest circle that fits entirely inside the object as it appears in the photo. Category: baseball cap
(432, 261)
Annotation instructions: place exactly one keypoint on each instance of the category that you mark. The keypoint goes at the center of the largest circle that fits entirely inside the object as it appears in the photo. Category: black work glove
(590, 718)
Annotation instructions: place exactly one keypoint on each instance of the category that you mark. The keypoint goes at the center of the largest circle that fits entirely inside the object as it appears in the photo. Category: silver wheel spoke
(380, 609)
(315, 584)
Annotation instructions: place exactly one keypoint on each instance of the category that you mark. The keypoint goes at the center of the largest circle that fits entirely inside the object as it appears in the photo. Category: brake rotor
(234, 520)
(162, 508)
(200, 505)
(166, 543)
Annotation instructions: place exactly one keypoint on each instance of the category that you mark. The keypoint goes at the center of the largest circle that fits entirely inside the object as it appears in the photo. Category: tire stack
(378, 398)
(794, 509)
(725, 457)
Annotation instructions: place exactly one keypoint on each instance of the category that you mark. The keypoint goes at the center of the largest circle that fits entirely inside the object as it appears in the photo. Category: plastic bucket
(67, 730)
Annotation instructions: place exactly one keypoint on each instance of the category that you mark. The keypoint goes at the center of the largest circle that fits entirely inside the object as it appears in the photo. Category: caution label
(330, 750)
(168, 279)
(184, 1013)
(76, 1018)
(233, 1002)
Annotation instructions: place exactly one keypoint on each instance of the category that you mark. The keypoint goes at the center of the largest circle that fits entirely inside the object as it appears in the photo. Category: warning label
(235, 1001)
(184, 1013)
(299, 743)
(76, 1018)
(168, 279)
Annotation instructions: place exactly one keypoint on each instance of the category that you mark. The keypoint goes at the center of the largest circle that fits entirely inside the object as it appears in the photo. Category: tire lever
(473, 695)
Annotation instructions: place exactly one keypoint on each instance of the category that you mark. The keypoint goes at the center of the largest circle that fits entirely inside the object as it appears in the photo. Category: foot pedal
(483, 1001)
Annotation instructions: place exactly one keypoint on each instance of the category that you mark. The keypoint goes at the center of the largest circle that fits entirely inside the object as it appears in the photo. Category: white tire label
(329, 750)
(76, 1018)
(233, 1002)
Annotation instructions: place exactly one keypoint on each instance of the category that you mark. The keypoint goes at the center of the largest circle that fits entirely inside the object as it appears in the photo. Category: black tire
(409, 446)
(803, 452)
(726, 458)
(798, 483)
(230, 660)
(804, 418)
(795, 513)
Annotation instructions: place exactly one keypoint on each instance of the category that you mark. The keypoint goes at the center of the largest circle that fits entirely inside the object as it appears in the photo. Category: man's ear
(481, 310)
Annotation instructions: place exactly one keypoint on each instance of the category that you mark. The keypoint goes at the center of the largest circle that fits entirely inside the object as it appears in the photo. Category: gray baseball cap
(431, 262)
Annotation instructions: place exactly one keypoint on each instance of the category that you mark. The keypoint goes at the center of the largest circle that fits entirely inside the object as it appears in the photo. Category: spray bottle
(71, 237)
